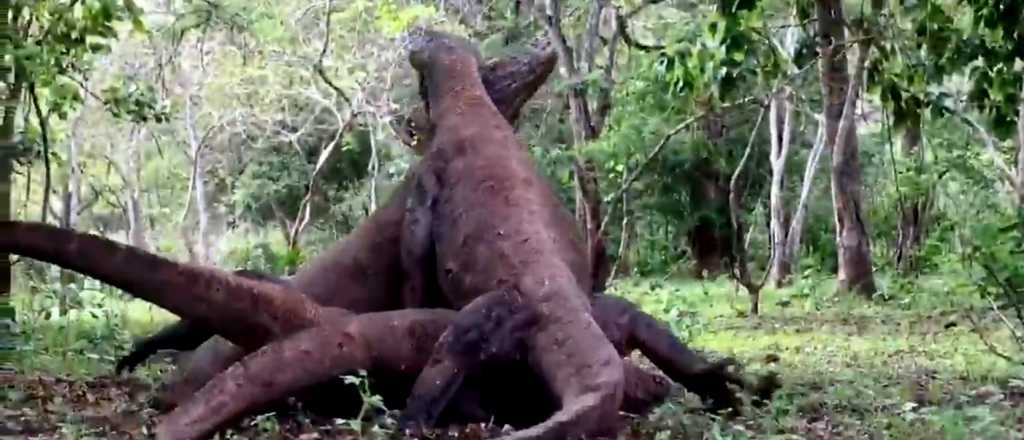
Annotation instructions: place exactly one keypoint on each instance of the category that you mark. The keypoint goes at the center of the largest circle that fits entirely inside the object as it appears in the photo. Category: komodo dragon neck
(455, 90)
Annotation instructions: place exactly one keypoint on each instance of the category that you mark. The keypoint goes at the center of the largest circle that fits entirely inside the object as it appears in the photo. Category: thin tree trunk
(202, 210)
(201, 250)
(132, 173)
(711, 238)
(780, 117)
(624, 264)
(44, 131)
(9, 74)
(589, 217)
(852, 241)
(374, 171)
(911, 231)
(6, 177)
(741, 268)
(791, 251)
(780, 125)
(72, 196)
(73, 189)
(1020, 155)
(573, 67)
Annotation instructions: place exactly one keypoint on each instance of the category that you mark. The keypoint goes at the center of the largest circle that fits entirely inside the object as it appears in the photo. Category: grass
(907, 368)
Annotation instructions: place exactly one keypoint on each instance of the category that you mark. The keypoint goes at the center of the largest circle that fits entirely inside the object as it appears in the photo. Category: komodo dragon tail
(512, 81)
(247, 312)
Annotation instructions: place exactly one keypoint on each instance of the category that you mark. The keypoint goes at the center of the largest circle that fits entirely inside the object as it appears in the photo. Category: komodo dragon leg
(633, 329)
(510, 82)
(397, 341)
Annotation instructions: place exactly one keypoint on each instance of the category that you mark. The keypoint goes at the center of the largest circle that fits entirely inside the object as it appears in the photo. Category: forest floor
(907, 368)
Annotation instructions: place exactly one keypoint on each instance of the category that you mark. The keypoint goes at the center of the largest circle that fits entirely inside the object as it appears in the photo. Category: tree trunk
(374, 172)
(72, 191)
(574, 66)
(202, 209)
(44, 134)
(780, 126)
(624, 264)
(780, 115)
(588, 214)
(1020, 155)
(911, 231)
(852, 241)
(198, 185)
(9, 74)
(741, 267)
(133, 192)
(790, 255)
(6, 177)
(711, 237)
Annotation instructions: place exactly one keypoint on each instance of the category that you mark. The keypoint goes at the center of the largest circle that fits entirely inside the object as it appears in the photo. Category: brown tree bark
(852, 241)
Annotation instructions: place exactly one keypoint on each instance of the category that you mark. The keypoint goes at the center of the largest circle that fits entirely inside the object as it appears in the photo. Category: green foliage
(993, 253)
(268, 186)
(371, 403)
(263, 255)
(393, 19)
(721, 56)
(69, 36)
(135, 101)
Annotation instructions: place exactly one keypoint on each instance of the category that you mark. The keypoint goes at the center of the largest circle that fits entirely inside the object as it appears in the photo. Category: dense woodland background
(850, 171)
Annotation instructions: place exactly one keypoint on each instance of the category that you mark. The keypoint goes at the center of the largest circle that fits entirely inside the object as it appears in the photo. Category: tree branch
(741, 271)
(44, 129)
(319, 66)
(604, 97)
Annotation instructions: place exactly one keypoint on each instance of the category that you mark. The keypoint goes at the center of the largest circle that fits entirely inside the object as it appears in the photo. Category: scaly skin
(488, 345)
(496, 225)
(363, 272)
(246, 311)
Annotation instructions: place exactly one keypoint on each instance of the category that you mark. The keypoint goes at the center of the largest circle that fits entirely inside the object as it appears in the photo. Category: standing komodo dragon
(495, 223)
(363, 272)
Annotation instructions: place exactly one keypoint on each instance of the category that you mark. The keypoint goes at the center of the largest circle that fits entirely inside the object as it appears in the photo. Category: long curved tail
(246, 312)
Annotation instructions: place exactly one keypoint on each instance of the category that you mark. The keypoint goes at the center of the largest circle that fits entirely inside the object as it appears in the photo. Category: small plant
(265, 423)
(371, 402)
